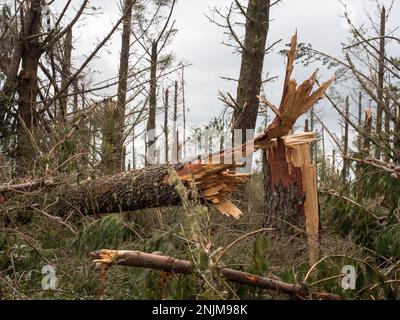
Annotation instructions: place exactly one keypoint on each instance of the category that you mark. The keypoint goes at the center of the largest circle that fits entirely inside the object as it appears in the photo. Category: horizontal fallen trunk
(155, 186)
(169, 264)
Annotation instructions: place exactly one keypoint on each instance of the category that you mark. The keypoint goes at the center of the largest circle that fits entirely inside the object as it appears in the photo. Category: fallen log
(172, 265)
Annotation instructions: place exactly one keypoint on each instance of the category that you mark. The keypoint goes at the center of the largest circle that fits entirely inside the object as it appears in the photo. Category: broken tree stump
(290, 181)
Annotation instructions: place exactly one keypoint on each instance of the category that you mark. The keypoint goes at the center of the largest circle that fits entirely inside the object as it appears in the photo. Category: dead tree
(123, 84)
(157, 45)
(290, 191)
(66, 72)
(345, 169)
(165, 129)
(381, 77)
(178, 266)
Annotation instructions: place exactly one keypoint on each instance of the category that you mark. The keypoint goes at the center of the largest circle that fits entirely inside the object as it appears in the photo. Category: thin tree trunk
(66, 72)
(175, 142)
(123, 85)
(345, 169)
(151, 121)
(133, 149)
(388, 135)
(166, 114)
(359, 142)
(183, 111)
(381, 75)
(368, 130)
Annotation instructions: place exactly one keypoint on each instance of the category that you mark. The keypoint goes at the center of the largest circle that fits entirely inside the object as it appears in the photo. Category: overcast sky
(198, 41)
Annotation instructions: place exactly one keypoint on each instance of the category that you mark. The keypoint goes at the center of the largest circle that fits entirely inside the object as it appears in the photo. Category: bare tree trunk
(28, 90)
(381, 75)
(183, 111)
(345, 169)
(175, 142)
(397, 133)
(166, 141)
(66, 72)
(151, 121)
(109, 141)
(250, 79)
(388, 135)
(123, 85)
(133, 149)
(368, 130)
(359, 142)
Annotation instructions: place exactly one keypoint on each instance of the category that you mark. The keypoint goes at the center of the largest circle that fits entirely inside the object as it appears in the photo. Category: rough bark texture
(346, 164)
(253, 51)
(123, 85)
(368, 129)
(151, 122)
(381, 75)
(166, 140)
(66, 71)
(291, 188)
(109, 138)
(169, 264)
(27, 88)
(284, 196)
(175, 140)
(127, 191)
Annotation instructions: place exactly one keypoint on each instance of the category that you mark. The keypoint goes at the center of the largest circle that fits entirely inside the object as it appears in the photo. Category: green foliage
(108, 232)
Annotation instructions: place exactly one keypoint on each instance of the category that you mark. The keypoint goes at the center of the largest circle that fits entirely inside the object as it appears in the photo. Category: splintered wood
(298, 156)
(216, 180)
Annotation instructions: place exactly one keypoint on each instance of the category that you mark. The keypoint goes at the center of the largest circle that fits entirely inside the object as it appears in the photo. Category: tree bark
(345, 170)
(151, 121)
(130, 191)
(66, 71)
(27, 90)
(166, 129)
(175, 140)
(109, 141)
(381, 75)
(250, 79)
(123, 85)
(169, 264)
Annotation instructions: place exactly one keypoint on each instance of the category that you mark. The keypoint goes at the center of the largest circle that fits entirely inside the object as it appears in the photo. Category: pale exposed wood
(299, 156)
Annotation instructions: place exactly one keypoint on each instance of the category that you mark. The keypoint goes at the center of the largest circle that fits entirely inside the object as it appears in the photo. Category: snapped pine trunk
(291, 187)
(129, 191)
